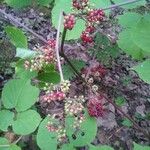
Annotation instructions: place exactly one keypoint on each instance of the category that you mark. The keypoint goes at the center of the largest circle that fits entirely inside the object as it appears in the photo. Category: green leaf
(3, 141)
(120, 101)
(140, 147)
(6, 119)
(22, 73)
(16, 37)
(25, 53)
(14, 147)
(87, 131)
(19, 94)
(103, 147)
(45, 2)
(129, 19)
(26, 122)
(49, 77)
(67, 70)
(127, 122)
(132, 5)
(126, 43)
(143, 70)
(46, 140)
(67, 147)
(141, 34)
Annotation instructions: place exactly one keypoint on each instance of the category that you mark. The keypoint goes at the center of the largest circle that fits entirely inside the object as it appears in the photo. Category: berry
(53, 96)
(95, 108)
(90, 29)
(79, 4)
(98, 71)
(86, 37)
(95, 15)
(52, 43)
(69, 22)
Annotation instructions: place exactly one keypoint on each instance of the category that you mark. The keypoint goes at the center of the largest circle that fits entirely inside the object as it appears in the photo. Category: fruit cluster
(95, 15)
(69, 21)
(53, 96)
(95, 107)
(79, 4)
(52, 43)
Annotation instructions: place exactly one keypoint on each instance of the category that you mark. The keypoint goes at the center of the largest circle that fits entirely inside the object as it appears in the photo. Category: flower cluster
(54, 126)
(74, 107)
(95, 107)
(65, 86)
(45, 56)
(79, 4)
(69, 21)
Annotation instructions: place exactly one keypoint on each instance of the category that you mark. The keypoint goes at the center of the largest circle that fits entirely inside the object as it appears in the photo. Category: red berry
(98, 71)
(95, 15)
(69, 22)
(79, 4)
(52, 43)
(95, 108)
(86, 37)
(90, 29)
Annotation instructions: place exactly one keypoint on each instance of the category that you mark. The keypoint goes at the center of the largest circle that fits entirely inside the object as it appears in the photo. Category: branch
(121, 4)
(57, 46)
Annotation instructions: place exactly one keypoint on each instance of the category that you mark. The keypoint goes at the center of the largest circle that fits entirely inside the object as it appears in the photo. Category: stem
(63, 40)
(57, 47)
(121, 4)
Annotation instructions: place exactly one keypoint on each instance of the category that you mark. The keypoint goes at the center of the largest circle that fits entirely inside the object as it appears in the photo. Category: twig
(57, 46)
(121, 4)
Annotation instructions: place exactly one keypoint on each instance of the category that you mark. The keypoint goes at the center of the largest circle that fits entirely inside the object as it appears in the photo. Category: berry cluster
(45, 56)
(69, 21)
(95, 107)
(79, 4)
(52, 43)
(95, 15)
(53, 96)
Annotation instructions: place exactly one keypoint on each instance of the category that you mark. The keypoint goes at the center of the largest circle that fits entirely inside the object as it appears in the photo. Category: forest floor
(121, 83)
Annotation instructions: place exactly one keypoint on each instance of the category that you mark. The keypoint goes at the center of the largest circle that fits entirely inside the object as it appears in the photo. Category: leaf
(103, 147)
(45, 2)
(126, 43)
(6, 119)
(26, 122)
(87, 133)
(67, 70)
(22, 73)
(127, 122)
(46, 140)
(16, 36)
(120, 101)
(140, 147)
(141, 34)
(143, 70)
(130, 6)
(25, 53)
(14, 147)
(18, 4)
(19, 94)
(129, 19)
(3, 141)
(49, 77)
(67, 147)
